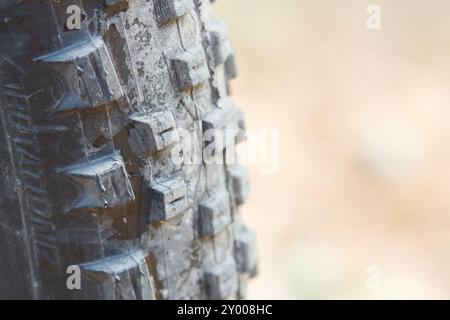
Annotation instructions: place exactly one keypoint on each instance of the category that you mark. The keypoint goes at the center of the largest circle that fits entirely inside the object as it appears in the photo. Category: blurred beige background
(364, 176)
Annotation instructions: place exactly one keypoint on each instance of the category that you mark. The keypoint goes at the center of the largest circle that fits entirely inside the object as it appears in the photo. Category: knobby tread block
(239, 176)
(230, 67)
(215, 213)
(167, 199)
(121, 277)
(152, 132)
(219, 42)
(98, 183)
(226, 119)
(190, 67)
(221, 280)
(246, 258)
(87, 73)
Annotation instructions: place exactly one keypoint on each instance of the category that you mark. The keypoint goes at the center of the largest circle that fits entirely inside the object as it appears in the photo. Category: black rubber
(90, 119)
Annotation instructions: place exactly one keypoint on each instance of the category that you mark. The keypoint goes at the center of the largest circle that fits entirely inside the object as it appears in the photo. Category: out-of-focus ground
(364, 120)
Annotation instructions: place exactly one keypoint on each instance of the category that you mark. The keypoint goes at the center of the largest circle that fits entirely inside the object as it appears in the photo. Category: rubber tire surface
(90, 121)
